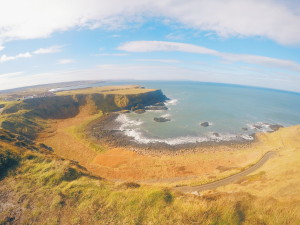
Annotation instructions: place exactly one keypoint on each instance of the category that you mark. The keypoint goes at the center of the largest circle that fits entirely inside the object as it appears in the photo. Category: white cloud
(10, 75)
(111, 54)
(162, 72)
(1, 47)
(49, 50)
(52, 49)
(5, 58)
(159, 60)
(65, 61)
(116, 35)
(273, 19)
(151, 46)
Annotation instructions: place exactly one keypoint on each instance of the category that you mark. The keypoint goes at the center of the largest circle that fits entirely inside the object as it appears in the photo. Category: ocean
(233, 112)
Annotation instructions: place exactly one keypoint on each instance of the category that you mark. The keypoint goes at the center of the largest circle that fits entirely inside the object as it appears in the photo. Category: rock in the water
(245, 128)
(157, 108)
(139, 111)
(216, 134)
(138, 106)
(257, 127)
(159, 104)
(161, 119)
(275, 127)
(205, 124)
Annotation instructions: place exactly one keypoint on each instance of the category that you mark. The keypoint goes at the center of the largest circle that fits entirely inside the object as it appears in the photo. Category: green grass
(54, 195)
(78, 132)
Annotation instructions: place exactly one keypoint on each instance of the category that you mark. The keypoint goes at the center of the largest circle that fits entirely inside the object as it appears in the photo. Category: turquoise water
(228, 109)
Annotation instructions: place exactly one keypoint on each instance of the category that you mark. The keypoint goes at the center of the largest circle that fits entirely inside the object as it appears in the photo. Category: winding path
(227, 180)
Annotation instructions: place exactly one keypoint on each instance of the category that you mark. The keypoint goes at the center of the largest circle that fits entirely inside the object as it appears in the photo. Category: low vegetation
(8, 161)
(44, 185)
(45, 189)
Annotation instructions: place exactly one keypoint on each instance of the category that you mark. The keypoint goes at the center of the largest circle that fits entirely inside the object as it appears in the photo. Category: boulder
(159, 104)
(245, 128)
(139, 111)
(204, 124)
(275, 127)
(153, 107)
(216, 134)
(161, 119)
(138, 106)
(258, 127)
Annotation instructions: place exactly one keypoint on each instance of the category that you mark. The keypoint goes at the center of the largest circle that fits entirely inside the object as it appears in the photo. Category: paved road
(227, 180)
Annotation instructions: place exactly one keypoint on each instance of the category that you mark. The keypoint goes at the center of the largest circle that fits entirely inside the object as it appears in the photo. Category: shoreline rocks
(105, 130)
(156, 107)
(161, 119)
(205, 124)
(139, 111)
(275, 127)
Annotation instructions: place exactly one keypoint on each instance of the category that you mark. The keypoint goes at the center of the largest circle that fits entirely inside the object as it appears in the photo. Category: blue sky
(246, 42)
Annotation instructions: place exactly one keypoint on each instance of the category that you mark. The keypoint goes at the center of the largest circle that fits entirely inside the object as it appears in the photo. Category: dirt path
(227, 180)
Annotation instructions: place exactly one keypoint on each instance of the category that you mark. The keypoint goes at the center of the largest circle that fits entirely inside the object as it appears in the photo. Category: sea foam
(172, 102)
(131, 129)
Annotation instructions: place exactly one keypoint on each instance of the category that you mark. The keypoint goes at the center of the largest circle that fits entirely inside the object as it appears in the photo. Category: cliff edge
(26, 117)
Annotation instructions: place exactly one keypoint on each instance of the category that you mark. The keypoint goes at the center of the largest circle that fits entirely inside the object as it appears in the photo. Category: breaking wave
(131, 129)
(173, 101)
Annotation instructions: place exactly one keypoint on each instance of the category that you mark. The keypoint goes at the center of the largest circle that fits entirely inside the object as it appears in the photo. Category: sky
(248, 42)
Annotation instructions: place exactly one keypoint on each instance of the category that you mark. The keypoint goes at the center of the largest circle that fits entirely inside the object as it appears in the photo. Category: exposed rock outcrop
(140, 111)
(275, 127)
(161, 119)
(204, 124)
(24, 117)
(154, 107)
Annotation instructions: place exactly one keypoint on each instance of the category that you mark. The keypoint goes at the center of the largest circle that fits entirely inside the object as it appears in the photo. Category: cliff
(26, 117)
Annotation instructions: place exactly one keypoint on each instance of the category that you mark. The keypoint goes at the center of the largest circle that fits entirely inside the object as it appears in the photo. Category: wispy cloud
(159, 72)
(152, 46)
(5, 58)
(65, 61)
(112, 54)
(273, 19)
(49, 50)
(10, 75)
(1, 47)
(159, 60)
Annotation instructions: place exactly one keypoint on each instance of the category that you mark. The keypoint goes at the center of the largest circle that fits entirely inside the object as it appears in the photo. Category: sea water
(233, 112)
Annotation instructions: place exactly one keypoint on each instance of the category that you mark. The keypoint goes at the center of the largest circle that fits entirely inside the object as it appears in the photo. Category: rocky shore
(106, 131)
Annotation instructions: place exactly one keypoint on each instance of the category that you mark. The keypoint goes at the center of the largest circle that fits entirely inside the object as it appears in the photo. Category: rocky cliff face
(24, 116)
(62, 107)
(111, 102)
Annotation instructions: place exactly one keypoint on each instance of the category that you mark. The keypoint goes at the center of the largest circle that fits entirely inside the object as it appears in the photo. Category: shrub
(8, 161)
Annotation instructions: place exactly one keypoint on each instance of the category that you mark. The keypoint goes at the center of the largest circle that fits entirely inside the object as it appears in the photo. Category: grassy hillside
(80, 181)
(41, 188)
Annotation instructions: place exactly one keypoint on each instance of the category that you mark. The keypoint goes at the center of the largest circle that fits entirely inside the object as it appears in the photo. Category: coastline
(106, 131)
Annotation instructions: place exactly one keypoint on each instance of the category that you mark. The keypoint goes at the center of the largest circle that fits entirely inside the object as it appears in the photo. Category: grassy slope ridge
(41, 188)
